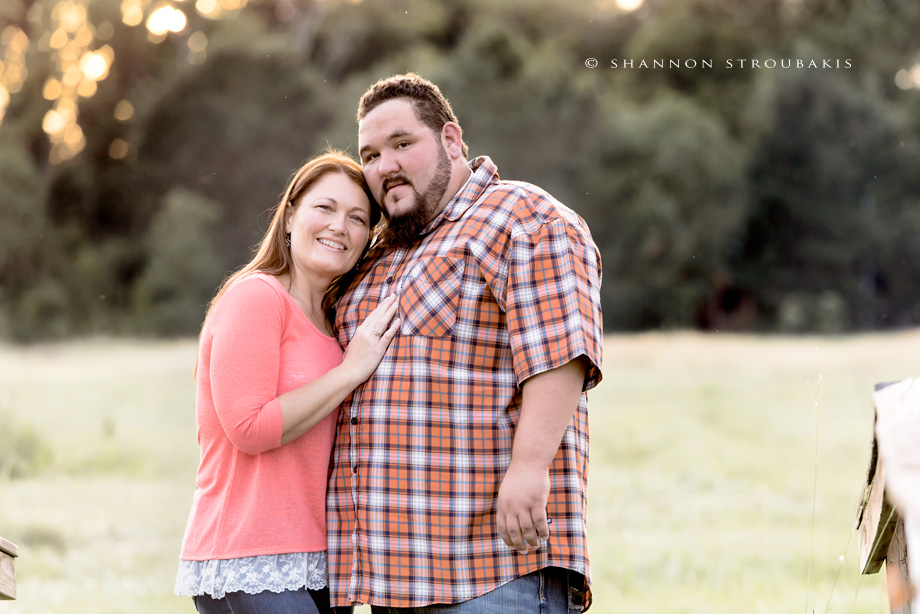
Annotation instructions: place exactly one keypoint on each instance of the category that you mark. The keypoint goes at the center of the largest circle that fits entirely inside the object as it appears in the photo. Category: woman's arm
(302, 408)
(244, 332)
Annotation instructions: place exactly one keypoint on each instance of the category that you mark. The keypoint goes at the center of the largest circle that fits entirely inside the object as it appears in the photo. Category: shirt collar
(484, 174)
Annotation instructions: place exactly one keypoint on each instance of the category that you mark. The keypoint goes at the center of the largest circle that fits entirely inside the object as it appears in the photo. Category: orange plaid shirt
(504, 285)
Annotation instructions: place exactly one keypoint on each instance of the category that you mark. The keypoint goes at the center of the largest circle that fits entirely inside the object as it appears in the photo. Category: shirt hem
(248, 553)
(383, 601)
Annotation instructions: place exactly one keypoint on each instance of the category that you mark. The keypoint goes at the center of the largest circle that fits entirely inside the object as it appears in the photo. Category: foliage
(672, 214)
(728, 196)
(26, 239)
(833, 170)
(183, 270)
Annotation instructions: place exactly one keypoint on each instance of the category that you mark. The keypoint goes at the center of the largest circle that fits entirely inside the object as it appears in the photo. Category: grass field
(703, 475)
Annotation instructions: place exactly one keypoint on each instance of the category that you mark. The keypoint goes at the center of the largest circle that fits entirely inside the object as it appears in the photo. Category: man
(459, 475)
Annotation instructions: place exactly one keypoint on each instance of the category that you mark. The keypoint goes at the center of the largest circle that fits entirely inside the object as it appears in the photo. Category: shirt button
(390, 279)
(354, 420)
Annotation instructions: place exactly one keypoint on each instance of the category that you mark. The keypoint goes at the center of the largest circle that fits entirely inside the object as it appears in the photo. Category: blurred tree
(23, 212)
(789, 189)
(357, 36)
(25, 241)
(183, 270)
(233, 130)
(826, 179)
(518, 95)
(725, 34)
(671, 213)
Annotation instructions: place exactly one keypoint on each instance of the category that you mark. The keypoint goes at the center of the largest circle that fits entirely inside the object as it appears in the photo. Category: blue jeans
(301, 601)
(552, 590)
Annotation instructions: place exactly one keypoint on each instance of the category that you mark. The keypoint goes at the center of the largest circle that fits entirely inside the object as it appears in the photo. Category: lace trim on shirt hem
(252, 574)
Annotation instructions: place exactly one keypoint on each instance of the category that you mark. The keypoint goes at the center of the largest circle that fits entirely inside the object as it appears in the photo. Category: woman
(270, 375)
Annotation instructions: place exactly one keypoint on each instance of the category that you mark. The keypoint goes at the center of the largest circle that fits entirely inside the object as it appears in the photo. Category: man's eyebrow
(396, 134)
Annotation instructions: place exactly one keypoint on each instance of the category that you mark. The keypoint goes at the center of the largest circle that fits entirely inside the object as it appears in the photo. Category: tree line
(723, 195)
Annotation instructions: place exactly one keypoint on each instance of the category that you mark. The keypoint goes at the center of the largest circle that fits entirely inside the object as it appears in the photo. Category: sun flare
(629, 5)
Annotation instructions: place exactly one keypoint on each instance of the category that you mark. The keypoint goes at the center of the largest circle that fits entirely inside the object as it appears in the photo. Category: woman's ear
(288, 216)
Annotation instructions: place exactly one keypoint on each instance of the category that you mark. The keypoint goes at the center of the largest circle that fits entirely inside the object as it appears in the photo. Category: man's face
(404, 162)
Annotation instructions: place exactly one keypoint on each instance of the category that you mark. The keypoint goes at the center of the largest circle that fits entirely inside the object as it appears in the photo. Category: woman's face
(329, 226)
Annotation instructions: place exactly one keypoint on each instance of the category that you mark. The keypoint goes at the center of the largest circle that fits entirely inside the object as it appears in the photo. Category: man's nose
(387, 164)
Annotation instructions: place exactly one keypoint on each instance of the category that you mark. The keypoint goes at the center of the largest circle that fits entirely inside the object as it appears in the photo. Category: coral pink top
(255, 496)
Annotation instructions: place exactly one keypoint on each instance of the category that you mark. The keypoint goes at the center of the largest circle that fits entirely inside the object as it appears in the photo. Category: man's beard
(403, 231)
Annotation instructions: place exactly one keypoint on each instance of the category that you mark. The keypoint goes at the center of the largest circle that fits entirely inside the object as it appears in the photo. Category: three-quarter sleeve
(246, 329)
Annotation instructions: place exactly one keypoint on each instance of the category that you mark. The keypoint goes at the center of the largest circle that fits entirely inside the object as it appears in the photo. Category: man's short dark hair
(431, 107)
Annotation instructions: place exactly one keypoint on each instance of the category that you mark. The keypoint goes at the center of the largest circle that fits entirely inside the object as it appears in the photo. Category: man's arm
(548, 404)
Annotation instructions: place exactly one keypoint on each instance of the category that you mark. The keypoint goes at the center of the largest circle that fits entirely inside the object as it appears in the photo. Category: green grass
(100, 524)
(701, 486)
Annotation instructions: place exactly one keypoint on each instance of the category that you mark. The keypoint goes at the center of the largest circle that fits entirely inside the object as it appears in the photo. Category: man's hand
(522, 500)
(548, 403)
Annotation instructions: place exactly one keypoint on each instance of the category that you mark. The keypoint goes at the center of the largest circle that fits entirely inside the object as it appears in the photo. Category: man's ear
(452, 139)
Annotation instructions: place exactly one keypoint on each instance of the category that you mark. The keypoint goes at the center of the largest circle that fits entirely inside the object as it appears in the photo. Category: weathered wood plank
(899, 592)
(877, 524)
(7, 577)
(8, 553)
(876, 517)
(9, 547)
(897, 430)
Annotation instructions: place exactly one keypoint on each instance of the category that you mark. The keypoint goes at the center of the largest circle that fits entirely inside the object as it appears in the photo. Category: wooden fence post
(898, 572)
(889, 510)
(8, 553)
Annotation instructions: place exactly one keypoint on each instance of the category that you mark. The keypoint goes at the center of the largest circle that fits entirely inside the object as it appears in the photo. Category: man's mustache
(392, 182)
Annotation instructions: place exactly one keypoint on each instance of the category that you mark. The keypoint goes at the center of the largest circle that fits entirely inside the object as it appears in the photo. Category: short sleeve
(552, 300)
(246, 329)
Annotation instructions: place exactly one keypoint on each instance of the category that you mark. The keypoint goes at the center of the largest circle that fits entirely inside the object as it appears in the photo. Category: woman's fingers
(391, 330)
(380, 325)
(389, 322)
(373, 337)
(380, 318)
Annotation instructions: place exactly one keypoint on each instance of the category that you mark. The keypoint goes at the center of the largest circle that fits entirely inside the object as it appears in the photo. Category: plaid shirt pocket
(430, 297)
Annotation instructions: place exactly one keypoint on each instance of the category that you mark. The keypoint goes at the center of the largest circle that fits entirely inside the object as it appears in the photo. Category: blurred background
(745, 167)
(762, 177)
